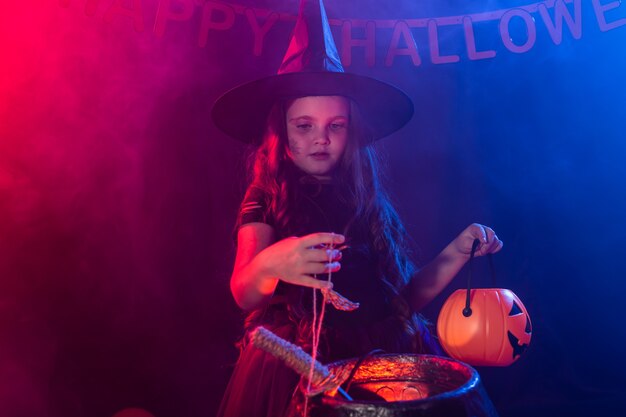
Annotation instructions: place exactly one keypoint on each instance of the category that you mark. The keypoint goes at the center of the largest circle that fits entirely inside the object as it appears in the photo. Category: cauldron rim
(472, 382)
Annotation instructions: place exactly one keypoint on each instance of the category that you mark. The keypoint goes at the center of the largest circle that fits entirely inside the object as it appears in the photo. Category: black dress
(261, 385)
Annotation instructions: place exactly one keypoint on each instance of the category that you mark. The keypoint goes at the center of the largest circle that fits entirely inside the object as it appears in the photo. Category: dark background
(118, 197)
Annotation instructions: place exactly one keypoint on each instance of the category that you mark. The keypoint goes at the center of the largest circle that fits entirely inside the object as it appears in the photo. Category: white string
(316, 327)
(313, 353)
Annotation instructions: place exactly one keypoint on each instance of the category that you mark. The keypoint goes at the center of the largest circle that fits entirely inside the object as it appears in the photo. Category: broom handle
(293, 356)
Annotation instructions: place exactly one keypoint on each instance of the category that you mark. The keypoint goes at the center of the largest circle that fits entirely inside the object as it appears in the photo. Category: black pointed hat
(311, 67)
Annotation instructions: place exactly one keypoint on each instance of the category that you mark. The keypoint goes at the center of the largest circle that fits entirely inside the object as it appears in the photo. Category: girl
(315, 206)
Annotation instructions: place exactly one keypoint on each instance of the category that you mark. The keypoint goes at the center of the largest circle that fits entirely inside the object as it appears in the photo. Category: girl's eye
(337, 126)
(304, 126)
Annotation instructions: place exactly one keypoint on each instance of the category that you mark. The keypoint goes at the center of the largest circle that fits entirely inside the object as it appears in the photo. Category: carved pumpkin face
(496, 333)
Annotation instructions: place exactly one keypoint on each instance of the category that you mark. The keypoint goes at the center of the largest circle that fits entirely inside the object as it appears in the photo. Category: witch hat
(310, 67)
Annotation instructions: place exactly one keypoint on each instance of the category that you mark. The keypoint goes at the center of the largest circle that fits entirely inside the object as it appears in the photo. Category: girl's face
(317, 130)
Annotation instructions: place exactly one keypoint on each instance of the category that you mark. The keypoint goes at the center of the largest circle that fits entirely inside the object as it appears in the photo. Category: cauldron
(403, 385)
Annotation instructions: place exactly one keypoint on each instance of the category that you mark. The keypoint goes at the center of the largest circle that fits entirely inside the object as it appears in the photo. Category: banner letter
(561, 12)
(600, 9)
(470, 42)
(184, 10)
(401, 29)
(133, 12)
(433, 41)
(260, 31)
(530, 29)
(208, 23)
(348, 42)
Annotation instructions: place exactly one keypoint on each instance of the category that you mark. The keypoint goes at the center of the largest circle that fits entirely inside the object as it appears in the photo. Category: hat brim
(242, 112)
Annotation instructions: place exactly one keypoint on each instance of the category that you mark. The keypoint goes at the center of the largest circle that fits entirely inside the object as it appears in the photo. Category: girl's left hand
(489, 242)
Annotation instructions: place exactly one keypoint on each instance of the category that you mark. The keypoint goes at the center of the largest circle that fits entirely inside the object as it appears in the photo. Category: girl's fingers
(316, 268)
(307, 281)
(316, 239)
(322, 268)
(322, 255)
(489, 242)
(496, 245)
(332, 266)
(484, 234)
(490, 234)
(493, 246)
(478, 231)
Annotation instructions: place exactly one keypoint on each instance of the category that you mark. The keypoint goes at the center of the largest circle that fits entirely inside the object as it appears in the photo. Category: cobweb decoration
(338, 301)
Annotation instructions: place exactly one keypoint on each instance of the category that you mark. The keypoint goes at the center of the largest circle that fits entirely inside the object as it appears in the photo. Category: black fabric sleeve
(254, 208)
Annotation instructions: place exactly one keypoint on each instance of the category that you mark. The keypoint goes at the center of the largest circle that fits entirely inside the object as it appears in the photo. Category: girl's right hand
(296, 259)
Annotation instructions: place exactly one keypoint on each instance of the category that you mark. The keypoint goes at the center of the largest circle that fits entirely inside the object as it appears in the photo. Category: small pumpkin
(494, 332)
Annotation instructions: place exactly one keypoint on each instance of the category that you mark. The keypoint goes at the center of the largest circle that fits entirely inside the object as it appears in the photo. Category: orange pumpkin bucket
(484, 327)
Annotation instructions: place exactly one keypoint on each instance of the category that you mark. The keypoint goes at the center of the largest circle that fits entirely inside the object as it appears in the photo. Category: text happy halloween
(559, 17)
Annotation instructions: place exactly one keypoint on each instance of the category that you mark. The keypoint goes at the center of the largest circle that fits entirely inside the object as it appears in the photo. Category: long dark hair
(357, 175)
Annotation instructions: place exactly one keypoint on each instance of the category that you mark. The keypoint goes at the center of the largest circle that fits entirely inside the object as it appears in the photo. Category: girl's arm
(429, 281)
(261, 262)
(250, 284)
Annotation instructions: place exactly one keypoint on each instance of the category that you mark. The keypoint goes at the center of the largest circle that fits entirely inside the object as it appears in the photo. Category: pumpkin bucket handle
(467, 311)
